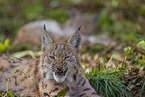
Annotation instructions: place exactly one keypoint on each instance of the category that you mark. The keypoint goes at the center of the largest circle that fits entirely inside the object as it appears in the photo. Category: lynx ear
(46, 39)
(75, 40)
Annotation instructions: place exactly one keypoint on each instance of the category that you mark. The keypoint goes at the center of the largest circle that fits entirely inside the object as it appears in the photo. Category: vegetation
(107, 83)
(4, 46)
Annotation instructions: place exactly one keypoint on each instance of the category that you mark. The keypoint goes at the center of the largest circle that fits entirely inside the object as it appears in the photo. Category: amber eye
(52, 57)
(66, 57)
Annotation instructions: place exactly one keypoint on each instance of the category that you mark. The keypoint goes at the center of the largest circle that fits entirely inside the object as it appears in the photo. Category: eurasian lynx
(58, 68)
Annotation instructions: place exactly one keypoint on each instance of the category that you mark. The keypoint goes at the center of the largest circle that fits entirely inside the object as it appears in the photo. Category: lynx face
(60, 61)
(60, 58)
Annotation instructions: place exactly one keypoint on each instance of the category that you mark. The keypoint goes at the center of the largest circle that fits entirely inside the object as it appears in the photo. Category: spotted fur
(59, 67)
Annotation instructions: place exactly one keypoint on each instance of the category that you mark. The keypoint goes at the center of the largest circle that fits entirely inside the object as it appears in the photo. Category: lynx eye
(66, 57)
(52, 57)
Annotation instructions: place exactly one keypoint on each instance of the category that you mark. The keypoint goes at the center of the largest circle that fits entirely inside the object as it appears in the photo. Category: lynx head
(59, 59)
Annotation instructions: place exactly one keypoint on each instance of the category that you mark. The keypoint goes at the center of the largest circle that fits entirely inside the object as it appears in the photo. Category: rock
(31, 32)
(86, 21)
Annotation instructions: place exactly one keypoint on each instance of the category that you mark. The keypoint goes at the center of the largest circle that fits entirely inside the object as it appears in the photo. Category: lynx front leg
(50, 88)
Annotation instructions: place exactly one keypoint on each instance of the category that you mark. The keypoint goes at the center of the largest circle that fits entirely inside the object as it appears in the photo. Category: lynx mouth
(60, 73)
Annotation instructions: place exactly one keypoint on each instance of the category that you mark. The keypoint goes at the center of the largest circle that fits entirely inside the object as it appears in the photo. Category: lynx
(59, 68)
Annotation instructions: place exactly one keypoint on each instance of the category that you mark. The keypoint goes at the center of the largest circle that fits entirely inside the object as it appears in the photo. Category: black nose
(59, 68)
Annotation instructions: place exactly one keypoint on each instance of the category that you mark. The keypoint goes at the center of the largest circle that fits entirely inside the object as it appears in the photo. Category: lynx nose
(59, 67)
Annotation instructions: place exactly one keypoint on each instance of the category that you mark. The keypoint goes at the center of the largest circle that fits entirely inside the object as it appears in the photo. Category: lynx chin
(58, 68)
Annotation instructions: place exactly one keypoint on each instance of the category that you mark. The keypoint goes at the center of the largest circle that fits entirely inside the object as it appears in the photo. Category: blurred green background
(120, 19)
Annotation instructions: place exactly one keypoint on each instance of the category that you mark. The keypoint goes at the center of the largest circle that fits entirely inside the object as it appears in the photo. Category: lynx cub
(58, 68)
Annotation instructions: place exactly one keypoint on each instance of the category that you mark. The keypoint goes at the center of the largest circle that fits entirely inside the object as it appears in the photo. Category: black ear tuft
(44, 27)
(79, 28)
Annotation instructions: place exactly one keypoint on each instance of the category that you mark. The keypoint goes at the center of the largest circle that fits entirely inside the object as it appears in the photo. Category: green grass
(106, 83)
